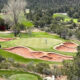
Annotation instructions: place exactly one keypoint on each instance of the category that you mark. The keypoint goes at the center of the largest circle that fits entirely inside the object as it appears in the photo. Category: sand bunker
(58, 57)
(46, 58)
(37, 54)
(20, 51)
(70, 44)
(2, 79)
(67, 47)
(27, 53)
(5, 39)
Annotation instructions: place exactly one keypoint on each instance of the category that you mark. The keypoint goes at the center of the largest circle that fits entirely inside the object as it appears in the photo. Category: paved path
(5, 31)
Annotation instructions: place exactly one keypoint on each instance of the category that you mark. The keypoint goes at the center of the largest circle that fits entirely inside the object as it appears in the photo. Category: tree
(28, 26)
(79, 20)
(78, 34)
(78, 49)
(76, 15)
(31, 67)
(72, 68)
(2, 59)
(59, 18)
(57, 71)
(14, 8)
(41, 67)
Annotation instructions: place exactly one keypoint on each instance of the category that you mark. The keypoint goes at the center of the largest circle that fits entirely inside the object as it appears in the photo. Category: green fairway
(23, 77)
(19, 75)
(34, 34)
(66, 17)
(38, 43)
(38, 40)
(60, 15)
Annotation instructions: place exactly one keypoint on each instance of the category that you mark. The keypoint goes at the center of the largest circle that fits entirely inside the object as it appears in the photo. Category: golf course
(39, 40)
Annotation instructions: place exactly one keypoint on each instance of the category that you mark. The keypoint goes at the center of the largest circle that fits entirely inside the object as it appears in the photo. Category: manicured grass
(23, 77)
(38, 41)
(60, 15)
(5, 35)
(34, 34)
(37, 44)
(20, 59)
(66, 17)
(19, 75)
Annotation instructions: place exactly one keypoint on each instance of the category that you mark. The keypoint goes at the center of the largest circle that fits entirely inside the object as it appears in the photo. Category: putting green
(23, 77)
(35, 43)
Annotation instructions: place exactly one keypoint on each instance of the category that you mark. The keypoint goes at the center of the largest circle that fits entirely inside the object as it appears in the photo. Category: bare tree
(14, 8)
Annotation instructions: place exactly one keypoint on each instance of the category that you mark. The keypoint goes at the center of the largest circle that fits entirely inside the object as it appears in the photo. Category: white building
(27, 11)
(49, 78)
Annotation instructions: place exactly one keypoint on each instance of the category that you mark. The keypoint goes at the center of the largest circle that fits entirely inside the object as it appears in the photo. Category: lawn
(66, 17)
(60, 15)
(38, 41)
(19, 75)
(34, 34)
(23, 77)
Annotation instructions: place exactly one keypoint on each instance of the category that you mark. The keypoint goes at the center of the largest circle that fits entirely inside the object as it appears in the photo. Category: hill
(53, 3)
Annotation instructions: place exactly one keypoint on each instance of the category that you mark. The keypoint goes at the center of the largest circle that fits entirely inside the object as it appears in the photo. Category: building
(49, 78)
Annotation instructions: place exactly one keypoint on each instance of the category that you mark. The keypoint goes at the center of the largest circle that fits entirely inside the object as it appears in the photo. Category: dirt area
(27, 53)
(37, 54)
(2, 79)
(67, 47)
(5, 39)
(61, 78)
(20, 51)
(58, 57)
(70, 44)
